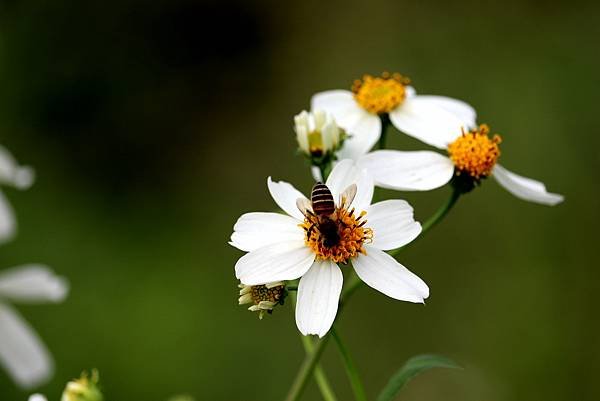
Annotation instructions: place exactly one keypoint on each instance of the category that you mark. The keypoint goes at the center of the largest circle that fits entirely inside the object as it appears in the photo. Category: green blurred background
(153, 126)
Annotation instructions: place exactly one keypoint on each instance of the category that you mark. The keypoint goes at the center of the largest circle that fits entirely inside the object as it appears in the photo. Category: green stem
(306, 369)
(441, 212)
(320, 377)
(435, 218)
(351, 371)
(325, 169)
(385, 124)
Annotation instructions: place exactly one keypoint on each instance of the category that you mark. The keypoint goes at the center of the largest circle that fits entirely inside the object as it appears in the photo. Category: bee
(321, 211)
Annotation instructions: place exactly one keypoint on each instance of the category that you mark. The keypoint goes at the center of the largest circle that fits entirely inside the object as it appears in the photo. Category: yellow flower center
(475, 153)
(263, 293)
(315, 143)
(380, 95)
(339, 237)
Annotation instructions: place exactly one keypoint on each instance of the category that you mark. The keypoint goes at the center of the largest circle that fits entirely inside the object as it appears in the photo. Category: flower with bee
(317, 238)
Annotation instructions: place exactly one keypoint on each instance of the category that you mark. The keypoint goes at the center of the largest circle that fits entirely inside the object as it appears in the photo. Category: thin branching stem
(351, 370)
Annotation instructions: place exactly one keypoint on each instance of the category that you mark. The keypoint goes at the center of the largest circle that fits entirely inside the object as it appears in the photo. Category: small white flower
(472, 156)
(20, 177)
(317, 133)
(359, 111)
(309, 245)
(37, 397)
(22, 353)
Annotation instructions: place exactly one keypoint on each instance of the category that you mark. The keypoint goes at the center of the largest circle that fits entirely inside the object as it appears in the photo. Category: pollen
(382, 94)
(347, 244)
(475, 153)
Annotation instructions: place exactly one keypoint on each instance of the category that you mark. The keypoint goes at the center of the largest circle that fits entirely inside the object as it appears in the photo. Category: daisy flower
(20, 177)
(361, 110)
(472, 157)
(22, 353)
(317, 238)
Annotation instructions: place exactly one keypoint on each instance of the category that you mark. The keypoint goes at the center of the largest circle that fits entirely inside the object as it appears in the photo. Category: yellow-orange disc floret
(351, 236)
(475, 153)
(380, 95)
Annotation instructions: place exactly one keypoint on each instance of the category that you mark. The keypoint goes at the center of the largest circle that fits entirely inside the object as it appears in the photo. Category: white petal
(345, 173)
(32, 283)
(255, 230)
(37, 397)
(277, 262)
(383, 273)
(8, 225)
(285, 195)
(11, 173)
(392, 223)
(363, 127)
(462, 110)
(408, 171)
(410, 92)
(525, 188)
(426, 121)
(363, 135)
(318, 297)
(22, 353)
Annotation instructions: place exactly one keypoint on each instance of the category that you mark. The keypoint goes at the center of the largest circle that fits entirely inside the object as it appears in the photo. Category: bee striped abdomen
(322, 200)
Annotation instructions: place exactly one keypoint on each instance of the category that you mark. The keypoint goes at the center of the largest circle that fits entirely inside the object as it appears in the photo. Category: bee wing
(347, 196)
(305, 206)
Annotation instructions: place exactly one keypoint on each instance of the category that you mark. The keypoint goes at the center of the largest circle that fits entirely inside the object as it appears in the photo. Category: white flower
(20, 177)
(37, 397)
(22, 353)
(317, 133)
(286, 247)
(472, 156)
(359, 111)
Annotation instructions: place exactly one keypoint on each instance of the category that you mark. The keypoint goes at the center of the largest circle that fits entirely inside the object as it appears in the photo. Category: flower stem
(385, 123)
(306, 369)
(319, 373)
(435, 218)
(441, 212)
(325, 169)
(351, 371)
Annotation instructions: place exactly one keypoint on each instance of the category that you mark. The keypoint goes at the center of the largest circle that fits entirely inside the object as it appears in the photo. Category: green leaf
(412, 368)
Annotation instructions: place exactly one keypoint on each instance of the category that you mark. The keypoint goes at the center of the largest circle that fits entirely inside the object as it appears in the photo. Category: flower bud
(83, 389)
(318, 134)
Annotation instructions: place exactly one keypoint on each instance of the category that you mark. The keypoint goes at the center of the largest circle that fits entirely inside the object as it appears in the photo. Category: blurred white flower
(472, 156)
(20, 177)
(312, 244)
(22, 353)
(37, 397)
(359, 111)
